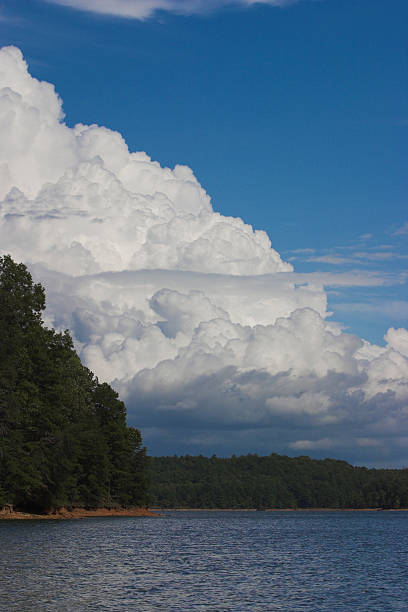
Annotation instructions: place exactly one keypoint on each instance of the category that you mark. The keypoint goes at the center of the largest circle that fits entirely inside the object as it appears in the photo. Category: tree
(63, 436)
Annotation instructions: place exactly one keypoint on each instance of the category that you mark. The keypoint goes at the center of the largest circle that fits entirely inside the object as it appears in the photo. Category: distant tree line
(63, 435)
(273, 481)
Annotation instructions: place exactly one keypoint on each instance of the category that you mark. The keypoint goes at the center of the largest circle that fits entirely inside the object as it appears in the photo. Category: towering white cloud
(210, 337)
(141, 9)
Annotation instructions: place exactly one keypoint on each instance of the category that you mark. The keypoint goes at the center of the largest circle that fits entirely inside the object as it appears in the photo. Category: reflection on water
(208, 561)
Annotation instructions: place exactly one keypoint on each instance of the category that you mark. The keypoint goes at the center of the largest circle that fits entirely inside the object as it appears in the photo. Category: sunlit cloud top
(193, 316)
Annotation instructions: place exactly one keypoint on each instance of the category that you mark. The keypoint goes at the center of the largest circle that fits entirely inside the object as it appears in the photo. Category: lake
(212, 561)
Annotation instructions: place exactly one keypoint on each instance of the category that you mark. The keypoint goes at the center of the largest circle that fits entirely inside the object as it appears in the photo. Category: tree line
(274, 481)
(63, 435)
(64, 439)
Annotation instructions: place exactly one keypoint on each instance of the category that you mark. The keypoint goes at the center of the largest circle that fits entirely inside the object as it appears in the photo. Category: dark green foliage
(63, 436)
(274, 481)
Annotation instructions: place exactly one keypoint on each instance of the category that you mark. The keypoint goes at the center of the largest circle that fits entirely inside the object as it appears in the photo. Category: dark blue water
(208, 561)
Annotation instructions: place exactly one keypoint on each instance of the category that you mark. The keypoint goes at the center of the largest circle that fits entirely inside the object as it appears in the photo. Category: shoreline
(75, 513)
(279, 510)
(83, 513)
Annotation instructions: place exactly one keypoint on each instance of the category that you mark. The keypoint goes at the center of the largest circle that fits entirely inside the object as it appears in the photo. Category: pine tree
(63, 436)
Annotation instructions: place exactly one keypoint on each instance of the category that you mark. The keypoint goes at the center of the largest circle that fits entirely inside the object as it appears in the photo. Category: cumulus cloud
(142, 9)
(212, 339)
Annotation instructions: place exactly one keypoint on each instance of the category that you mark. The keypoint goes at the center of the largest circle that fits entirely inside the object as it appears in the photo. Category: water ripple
(217, 561)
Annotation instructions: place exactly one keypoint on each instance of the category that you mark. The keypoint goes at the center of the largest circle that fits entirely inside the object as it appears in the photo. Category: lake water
(212, 561)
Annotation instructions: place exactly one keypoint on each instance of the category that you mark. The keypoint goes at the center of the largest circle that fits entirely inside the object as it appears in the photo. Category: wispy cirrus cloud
(363, 270)
(401, 231)
(4, 17)
(365, 237)
(379, 256)
(358, 253)
(303, 251)
(335, 260)
(143, 9)
(397, 309)
(356, 258)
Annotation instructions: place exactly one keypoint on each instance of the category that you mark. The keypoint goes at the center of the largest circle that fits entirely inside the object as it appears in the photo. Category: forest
(274, 481)
(64, 441)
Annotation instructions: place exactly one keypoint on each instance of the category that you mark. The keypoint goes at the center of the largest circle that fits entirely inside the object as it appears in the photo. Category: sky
(246, 123)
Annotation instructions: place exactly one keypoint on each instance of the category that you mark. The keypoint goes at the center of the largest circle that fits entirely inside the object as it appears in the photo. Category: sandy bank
(74, 513)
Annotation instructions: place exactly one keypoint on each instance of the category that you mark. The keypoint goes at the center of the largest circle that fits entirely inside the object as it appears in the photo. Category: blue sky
(294, 118)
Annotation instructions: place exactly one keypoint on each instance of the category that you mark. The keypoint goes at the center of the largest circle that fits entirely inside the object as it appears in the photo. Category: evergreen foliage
(63, 435)
(274, 481)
